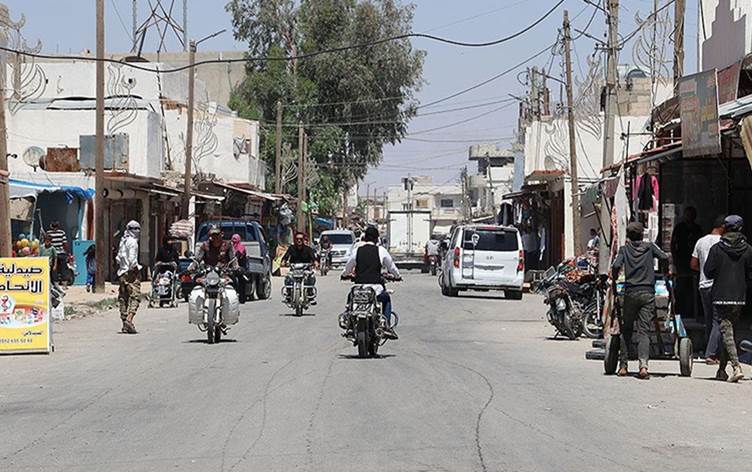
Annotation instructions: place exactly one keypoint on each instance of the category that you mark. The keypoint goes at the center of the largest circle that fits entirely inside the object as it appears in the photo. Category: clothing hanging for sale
(646, 192)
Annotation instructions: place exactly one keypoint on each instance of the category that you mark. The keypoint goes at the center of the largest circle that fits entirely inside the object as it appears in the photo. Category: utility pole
(185, 24)
(576, 211)
(188, 182)
(301, 177)
(609, 122)
(5, 236)
(679, 13)
(101, 248)
(278, 151)
(134, 26)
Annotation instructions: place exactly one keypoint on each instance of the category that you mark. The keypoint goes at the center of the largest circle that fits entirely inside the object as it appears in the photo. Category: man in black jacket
(636, 257)
(729, 264)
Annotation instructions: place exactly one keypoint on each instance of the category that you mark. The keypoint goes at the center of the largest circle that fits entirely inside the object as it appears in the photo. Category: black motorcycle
(563, 313)
(363, 322)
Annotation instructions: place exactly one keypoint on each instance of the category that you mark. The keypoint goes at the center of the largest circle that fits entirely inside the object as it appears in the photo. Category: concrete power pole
(278, 151)
(576, 212)
(134, 26)
(101, 247)
(679, 13)
(5, 236)
(185, 25)
(188, 178)
(608, 125)
(301, 177)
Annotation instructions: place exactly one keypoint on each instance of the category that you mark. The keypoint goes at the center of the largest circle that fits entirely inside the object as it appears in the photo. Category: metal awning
(23, 189)
(252, 193)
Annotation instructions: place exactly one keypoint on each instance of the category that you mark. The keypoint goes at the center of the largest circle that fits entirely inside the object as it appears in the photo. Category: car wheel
(513, 294)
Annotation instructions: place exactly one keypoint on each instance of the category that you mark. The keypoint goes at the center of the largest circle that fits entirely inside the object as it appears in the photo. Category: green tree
(353, 102)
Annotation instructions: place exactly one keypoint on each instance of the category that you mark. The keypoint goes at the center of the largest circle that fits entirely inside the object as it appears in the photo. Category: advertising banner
(700, 125)
(25, 305)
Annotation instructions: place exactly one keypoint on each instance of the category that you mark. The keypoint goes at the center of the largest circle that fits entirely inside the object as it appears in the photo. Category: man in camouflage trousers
(129, 275)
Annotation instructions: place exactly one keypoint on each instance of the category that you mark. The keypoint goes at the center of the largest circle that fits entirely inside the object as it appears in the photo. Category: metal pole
(301, 177)
(5, 236)
(576, 212)
(609, 122)
(101, 247)
(188, 182)
(278, 151)
(679, 12)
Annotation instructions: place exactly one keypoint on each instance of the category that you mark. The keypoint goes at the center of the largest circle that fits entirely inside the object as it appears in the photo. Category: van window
(491, 240)
(228, 229)
(339, 238)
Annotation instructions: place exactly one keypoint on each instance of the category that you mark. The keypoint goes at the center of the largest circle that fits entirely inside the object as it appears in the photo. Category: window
(340, 238)
(491, 240)
(446, 203)
(421, 203)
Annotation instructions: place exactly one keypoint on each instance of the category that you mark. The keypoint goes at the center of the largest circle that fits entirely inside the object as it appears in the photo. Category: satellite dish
(33, 156)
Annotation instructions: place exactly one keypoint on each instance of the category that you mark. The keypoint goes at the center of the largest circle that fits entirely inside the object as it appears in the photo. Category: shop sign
(700, 126)
(25, 305)
(728, 82)
(746, 133)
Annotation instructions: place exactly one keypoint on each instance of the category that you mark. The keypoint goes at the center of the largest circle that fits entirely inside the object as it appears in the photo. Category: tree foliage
(352, 102)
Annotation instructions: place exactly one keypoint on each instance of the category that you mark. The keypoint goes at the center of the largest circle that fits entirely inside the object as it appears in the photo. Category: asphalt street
(474, 384)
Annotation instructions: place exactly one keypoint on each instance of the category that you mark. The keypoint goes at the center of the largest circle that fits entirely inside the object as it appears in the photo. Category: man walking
(729, 264)
(60, 243)
(636, 257)
(699, 256)
(129, 275)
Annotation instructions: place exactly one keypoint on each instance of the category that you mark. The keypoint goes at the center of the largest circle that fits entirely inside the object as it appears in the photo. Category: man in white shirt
(129, 275)
(366, 265)
(697, 263)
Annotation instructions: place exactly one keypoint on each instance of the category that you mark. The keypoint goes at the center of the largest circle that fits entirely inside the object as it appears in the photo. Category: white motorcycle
(213, 305)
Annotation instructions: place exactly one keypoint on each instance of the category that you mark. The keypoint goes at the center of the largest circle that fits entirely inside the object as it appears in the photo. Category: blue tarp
(325, 222)
(21, 188)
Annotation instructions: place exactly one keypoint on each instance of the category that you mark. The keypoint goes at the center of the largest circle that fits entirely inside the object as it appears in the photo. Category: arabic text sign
(700, 126)
(25, 305)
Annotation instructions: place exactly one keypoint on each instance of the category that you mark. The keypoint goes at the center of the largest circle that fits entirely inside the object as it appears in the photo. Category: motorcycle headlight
(561, 304)
(212, 279)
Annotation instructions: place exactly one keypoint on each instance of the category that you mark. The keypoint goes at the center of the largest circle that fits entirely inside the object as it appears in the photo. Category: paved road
(473, 385)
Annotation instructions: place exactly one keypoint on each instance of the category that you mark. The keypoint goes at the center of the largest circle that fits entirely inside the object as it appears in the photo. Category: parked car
(342, 245)
(256, 247)
(484, 258)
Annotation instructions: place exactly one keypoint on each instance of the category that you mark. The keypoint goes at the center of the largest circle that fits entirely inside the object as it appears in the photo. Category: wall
(727, 35)
(432, 195)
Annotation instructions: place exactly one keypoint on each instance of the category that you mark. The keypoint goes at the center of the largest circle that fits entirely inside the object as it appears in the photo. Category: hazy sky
(68, 26)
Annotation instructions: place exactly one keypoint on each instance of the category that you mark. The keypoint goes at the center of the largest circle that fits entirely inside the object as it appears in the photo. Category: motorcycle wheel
(363, 344)
(433, 270)
(373, 351)
(685, 357)
(572, 329)
(217, 334)
(592, 326)
(264, 287)
(210, 327)
(299, 310)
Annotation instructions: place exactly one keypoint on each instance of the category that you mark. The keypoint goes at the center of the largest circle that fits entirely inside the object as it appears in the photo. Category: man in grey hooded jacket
(637, 259)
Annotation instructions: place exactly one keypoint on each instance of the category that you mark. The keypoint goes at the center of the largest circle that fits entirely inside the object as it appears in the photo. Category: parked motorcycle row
(575, 300)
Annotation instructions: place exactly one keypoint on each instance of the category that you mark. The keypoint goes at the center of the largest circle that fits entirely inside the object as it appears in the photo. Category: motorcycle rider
(301, 253)
(433, 247)
(326, 248)
(366, 265)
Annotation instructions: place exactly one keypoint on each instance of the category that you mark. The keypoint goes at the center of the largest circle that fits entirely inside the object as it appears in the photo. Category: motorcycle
(363, 321)
(213, 304)
(325, 261)
(563, 313)
(433, 262)
(298, 296)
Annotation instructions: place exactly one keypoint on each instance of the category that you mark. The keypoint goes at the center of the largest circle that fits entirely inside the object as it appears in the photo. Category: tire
(611, 359)
(298, 310)
(513, 294)
(210, 327)
(217, 334)
(251, 288)
(373, 351)
(264, 287)
(592, 326)
(433, 270)
(685, 357)
(363, 342)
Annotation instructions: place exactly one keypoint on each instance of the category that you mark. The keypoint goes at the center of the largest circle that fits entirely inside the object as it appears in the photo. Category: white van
(483, 257)
(342, 244)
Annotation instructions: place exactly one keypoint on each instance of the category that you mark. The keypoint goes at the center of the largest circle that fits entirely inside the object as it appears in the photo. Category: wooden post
(188, 178)
(679, 13)
(102, 250)
(278, 151)
(301, 177)
(576, 214)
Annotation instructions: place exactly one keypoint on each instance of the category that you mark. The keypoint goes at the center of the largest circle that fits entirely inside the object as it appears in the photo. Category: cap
(733, 221)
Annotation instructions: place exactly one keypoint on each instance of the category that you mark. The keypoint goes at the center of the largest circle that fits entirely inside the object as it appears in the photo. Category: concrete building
(724, 32)
(444, 201)
(494, 177)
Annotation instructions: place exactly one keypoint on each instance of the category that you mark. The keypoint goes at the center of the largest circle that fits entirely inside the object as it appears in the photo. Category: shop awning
(441, 229)
(22, 189)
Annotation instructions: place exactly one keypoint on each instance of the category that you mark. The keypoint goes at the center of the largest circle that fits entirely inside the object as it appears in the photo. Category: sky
(68, 26)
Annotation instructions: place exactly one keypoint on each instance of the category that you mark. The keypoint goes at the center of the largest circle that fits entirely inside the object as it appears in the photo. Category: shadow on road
(204, 341)
(356, 357)
(293, 315)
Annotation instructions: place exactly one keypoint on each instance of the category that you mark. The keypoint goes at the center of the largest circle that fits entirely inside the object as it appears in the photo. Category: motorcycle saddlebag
(196, 306)
(231, 307)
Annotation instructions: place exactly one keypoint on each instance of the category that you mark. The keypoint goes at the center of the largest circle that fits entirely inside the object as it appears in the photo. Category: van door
(490, 255)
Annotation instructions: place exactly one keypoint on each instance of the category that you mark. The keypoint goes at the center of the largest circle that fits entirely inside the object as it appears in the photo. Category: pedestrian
(699, 257)
(49, 251)
(60, 243)
(683, 240)
(729, 264)
(530, 245)
(241, 274)
(91, 267)
(129, 275)
(636, 258)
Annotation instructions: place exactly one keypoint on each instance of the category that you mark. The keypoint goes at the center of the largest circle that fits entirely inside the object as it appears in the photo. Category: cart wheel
(685, 357)
(611, 359)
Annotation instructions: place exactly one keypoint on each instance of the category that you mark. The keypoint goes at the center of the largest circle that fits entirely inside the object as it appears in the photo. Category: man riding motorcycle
(215, 251)
(325, 247)
(301, 253)
(365, 267)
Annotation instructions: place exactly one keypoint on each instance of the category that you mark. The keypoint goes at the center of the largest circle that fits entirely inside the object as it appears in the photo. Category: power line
(647, 20)
(298, 56)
